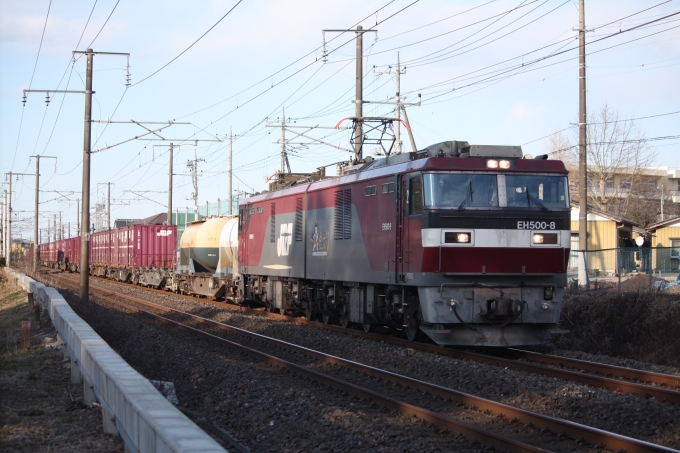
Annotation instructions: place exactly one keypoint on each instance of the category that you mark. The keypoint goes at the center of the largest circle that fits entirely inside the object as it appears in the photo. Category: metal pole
(9, 221)
(4, 223)
(662, 201)
(2, 226)
(35, 225)
(195, 186)
(78, 216)
(410, 132)
(85, 215)
(397, 130)
(186, 216)
(69, 229)
(61, 228)
(218, 208)
(170, 186)
(359, 112)
(177, 216)
(583, 156)
(108, 207)
(283, 140)
(55, 228)
(207, 209)
(231, 199)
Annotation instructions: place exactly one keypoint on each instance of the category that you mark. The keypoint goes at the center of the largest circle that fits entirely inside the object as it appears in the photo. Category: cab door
(410, 212)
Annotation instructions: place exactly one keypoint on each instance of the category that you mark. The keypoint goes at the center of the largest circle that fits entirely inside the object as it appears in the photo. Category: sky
(501, 72)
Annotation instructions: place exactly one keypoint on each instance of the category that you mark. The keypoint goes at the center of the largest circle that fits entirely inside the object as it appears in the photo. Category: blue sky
(266, 55)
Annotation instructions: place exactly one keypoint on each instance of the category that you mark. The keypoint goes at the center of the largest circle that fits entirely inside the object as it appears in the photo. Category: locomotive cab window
(461, 190)
(415, 198)
(536, 191)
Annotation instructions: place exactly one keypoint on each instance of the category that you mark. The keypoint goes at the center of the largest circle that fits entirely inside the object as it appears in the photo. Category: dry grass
(641, 325)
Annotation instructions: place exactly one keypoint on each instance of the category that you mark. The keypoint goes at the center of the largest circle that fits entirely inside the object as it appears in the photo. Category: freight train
(468, 244)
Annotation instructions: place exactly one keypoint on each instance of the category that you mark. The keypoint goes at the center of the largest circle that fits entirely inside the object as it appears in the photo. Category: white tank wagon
(208, 265)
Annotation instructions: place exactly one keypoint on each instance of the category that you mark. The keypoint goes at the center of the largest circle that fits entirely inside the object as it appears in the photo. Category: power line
(606, 122)
(21, 122)
(192, 45)
(105, 22)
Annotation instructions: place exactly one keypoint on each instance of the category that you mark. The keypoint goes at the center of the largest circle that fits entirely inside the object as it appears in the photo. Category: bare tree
(617, 158)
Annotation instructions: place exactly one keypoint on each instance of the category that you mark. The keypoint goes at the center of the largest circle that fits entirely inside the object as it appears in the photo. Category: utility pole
(108, 207)
(170, 186)
(283, 140)
(36, 239)
(61, 228)
(78, 216)
(583, 154)
(8, 245)
(87, 135)
(4, 223)
(359, 89)
(55, 228)
(397, 111)
(193, 168)
(231, 196)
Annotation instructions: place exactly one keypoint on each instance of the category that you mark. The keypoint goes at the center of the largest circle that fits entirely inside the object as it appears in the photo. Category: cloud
(523, 110)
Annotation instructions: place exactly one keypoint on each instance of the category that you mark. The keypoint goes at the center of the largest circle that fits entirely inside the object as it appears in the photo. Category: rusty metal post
(25, 335)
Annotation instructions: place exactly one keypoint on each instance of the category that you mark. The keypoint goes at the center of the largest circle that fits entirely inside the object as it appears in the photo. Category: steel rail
(594, 367)
(592, 380)
(595, 436)
(441, 421)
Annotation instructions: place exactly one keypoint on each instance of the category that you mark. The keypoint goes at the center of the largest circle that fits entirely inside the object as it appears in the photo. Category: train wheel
(413, 328)
(345, 318)
(368, 327)
(309, 313)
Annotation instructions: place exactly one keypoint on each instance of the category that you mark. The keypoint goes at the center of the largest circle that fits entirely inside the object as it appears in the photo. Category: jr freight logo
(283, 243)
(164, 233)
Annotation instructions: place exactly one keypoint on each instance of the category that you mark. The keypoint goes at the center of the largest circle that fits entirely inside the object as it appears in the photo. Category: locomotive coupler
(502, 308)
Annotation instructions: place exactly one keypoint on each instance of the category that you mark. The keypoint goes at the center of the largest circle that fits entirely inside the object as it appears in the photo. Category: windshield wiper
(469, 195)
(536, 200)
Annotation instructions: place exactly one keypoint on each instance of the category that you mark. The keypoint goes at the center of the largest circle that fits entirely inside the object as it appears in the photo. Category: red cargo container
(152, 245)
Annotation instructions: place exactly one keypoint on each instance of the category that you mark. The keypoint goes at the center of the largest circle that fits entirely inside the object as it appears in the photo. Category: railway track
(610, 377)
(507, 415)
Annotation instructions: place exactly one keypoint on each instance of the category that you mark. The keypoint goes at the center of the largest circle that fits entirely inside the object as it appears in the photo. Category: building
(665, 236)
(607, 234)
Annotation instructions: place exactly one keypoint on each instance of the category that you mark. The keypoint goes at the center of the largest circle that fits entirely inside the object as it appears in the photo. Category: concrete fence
(131, 405)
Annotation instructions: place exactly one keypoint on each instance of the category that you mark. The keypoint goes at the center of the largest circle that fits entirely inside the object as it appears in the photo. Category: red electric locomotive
(466, 243)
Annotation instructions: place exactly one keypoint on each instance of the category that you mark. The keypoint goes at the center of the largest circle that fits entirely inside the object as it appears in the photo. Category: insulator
(47, 99)
(24, 99)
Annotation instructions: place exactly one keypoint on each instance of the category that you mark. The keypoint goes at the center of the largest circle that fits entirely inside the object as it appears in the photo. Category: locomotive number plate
(535, 225)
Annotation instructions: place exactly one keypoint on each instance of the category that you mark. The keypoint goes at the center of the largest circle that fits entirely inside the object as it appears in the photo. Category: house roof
(664, 223)
(156, 219)
(606, 215)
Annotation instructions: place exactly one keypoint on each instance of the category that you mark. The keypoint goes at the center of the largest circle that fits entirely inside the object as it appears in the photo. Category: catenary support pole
(397, 111)
(170, 187)
(410, 132)
(35, 223)
(108, 206)
(283, 140)
(77, 216)
(583, 154)
(359, 96)
(231, 175)
(85, 214)
(9, 221)
(54, 238)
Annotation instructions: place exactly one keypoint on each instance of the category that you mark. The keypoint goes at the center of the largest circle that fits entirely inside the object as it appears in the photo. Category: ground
(40, 411)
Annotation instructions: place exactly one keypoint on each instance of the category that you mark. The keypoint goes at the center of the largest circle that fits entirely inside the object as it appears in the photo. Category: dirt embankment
(40, 411)
(641, 325)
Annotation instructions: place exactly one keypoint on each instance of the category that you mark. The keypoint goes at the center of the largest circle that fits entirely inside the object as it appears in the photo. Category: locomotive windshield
(536, 191)
(479, 190)
(460, 190)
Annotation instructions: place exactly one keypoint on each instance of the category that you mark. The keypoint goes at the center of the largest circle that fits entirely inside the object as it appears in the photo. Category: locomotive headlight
(454, 237)
(492, 164)
(504, 164)
(545, 238)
